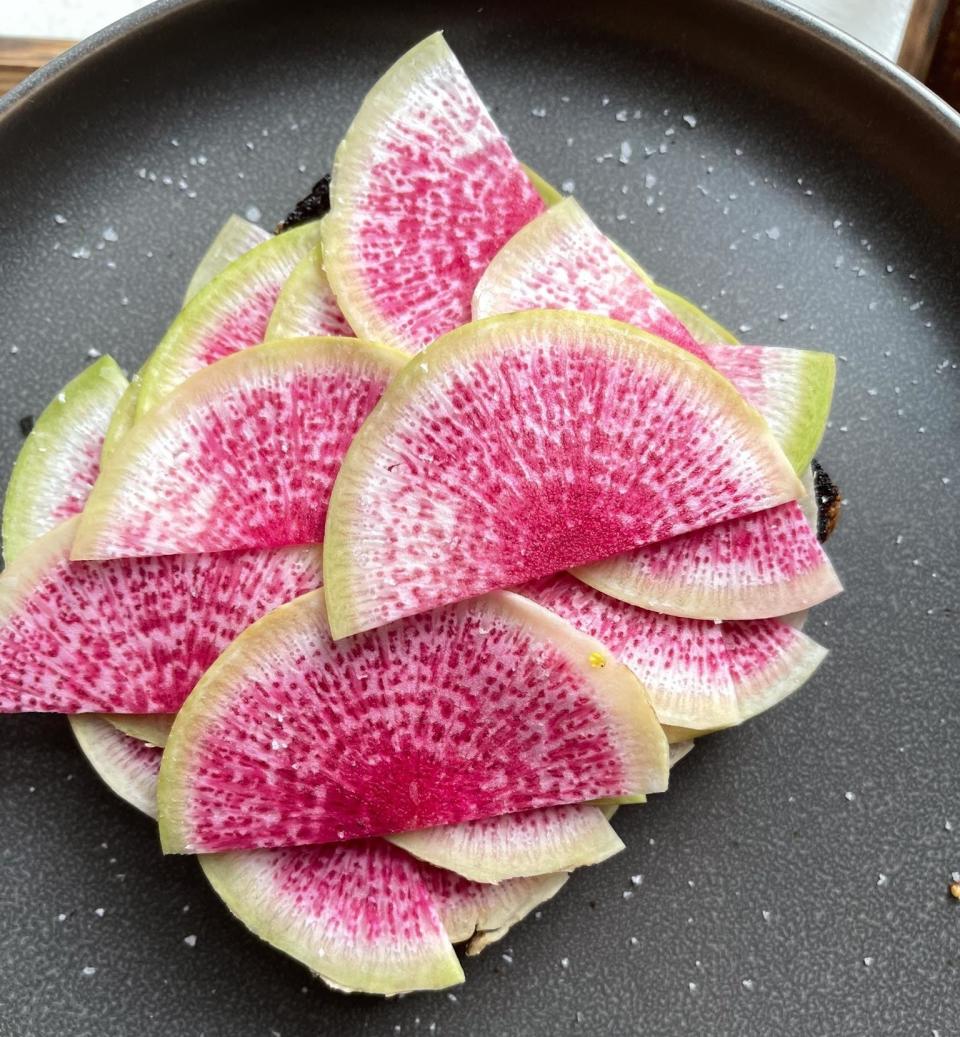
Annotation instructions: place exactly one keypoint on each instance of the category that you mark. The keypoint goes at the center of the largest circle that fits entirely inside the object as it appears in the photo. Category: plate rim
(795, 19)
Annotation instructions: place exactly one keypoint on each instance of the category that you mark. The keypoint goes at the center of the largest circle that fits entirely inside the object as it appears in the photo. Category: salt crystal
(99, 912)
(690, 120)
(849, 796)
(89, 970)
(507, 958)
(692, 986)
(868, 961)
(109, 234)
(61, 917)
(565, 962)
(767, 915)
(636, 879)
(622, 115)
(540, 113)
(625, 152)
(252, 214)
(568, 186)
(748, 984)
(190, 941)
(773, 233)
(58, 218)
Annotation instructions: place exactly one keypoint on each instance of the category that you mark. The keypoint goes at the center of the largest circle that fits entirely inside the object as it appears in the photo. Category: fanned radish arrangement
(432, 532)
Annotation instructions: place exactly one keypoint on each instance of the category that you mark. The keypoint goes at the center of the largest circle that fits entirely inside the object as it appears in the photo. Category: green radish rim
(236, 237)
(152, 728)
(77, 413)
(493, 849)
(109, 751)
(701, 325)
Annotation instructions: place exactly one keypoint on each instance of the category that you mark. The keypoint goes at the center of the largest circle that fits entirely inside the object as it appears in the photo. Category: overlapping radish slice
(234, 239)
(128, 766)
(525, 444)
(484, 708)
(129, 635)
(424, 192)
(562, 260)
(699, 675)
(228, 314)
(483, 913)
(60, 459)
(359, 915)
(242, 455)
(531, 842)
(760, 566)
(306, 305)
(152, 728)
(120, 422)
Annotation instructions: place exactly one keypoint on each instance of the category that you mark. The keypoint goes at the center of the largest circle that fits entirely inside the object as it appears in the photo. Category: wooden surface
(920, 36)
(19, 56)
(944, 75)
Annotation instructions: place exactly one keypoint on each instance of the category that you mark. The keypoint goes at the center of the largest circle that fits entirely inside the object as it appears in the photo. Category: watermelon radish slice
(234, 239)
(763, 565)
(562, 260)
(228, 314)
(524, 444)
(358, 914)
(59, 460)
(485, 708)
(152, 728)
(306, 305)
(532, 842)
(425, 191)
(132, 635)
(482, 913)
(243, 454)
(699, 675)
(126, 765)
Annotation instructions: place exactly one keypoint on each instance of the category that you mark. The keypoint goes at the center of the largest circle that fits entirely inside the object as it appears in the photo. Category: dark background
(813, 203)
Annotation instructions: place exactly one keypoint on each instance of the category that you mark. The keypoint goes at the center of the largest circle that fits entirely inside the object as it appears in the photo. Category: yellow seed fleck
(955, 890)
(597, 660)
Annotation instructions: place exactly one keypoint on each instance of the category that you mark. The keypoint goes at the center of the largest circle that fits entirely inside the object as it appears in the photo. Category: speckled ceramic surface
(794, 880)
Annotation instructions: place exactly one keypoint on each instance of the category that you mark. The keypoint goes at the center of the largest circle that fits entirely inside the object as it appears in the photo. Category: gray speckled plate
(795, 878)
